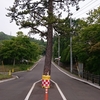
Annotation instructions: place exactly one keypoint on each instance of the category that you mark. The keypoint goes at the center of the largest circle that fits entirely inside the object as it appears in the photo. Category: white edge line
(7, 80)
(14, 77)
(1, 81)
(61, 93)
(35, 65)
(31, 68)
(30, 91)
(98, 87)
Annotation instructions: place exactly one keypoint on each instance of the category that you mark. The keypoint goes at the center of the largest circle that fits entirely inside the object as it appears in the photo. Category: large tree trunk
(48, 57)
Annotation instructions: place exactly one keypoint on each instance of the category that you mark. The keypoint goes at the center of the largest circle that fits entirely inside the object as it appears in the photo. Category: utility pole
(58, 49)
(71, 59)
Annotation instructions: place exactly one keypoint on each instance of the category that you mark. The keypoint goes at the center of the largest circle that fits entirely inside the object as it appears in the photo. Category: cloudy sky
(12, 28)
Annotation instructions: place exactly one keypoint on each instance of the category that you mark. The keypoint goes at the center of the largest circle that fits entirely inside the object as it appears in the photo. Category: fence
(93, 78)
(86, 75)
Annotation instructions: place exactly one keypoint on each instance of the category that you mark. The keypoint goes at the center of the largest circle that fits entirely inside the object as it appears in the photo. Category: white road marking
(6, 80)
(30, 91)
(18, 72)
(35, 65)
(98, 87)
(61, 93)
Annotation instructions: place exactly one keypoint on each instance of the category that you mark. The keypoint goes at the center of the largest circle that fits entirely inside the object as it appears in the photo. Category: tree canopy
(86, 42)
(34, 14)
(13, 51)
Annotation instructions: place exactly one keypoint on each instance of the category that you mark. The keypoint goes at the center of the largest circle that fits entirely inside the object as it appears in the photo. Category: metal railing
(93, 78)
(85, 75)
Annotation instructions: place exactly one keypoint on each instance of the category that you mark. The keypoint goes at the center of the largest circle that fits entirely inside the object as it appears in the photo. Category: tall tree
(94, 16)
(45, 13)
(86, 45)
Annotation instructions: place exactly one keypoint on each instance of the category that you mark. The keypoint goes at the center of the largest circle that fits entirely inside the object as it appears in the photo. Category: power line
(86, 6)
(86, 10)
(83, 7)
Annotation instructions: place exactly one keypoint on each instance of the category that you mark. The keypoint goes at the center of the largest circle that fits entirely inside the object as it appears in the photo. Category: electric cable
(76, 15)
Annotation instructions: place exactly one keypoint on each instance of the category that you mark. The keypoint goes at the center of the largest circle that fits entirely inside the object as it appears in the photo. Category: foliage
(42, 13)
(4, 76)
(31, 14)
(18, 48)
(64, 48)
(86, 41)
(94, 16)
(91, 38)
(41, 43)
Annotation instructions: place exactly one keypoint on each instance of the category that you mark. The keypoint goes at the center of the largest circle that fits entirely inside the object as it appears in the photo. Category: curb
(15, 76)
(5, 80)
(76, 78)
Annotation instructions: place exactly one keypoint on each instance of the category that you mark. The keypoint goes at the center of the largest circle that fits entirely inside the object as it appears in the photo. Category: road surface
(28, 86)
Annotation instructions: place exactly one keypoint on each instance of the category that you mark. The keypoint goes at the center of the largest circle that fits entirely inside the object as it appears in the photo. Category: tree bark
(48, 57)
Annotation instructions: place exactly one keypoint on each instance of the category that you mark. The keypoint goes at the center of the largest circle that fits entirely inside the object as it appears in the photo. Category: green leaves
(19, 48)
(85, 43)
(94, 16)
(26, 24)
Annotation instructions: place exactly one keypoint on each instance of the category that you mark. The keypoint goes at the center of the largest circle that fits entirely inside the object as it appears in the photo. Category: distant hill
(4, 36)
(41, 42)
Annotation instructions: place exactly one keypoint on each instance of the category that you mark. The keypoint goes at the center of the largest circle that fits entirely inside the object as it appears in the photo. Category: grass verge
(6, 70)
(5, 76)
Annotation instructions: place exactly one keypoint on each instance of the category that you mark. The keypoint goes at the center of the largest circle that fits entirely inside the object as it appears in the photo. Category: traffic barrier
(46, 84)
(46, 81)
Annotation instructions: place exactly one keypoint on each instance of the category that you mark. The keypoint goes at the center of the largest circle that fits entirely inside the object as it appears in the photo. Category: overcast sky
(12, 28)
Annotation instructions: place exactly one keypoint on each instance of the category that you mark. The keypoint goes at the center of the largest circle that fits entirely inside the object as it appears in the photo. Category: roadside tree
(17, 49)
(41, 16)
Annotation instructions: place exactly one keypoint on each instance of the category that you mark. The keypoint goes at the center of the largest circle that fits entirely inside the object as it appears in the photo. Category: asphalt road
(17, 89)
(72, 89)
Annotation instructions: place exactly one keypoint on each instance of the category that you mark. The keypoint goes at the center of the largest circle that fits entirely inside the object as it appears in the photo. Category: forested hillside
(4, 36)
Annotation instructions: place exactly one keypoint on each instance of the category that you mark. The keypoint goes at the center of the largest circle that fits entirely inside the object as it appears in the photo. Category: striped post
(46, 85)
